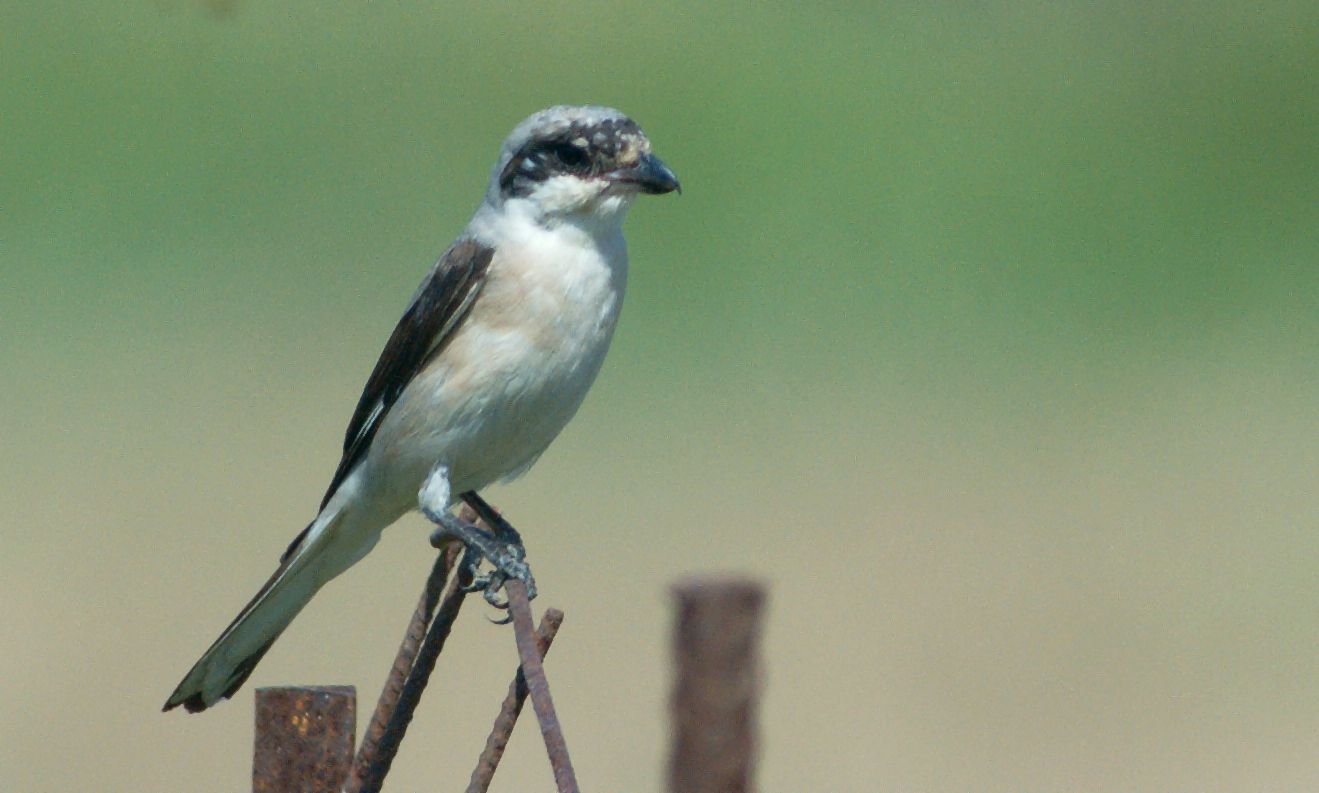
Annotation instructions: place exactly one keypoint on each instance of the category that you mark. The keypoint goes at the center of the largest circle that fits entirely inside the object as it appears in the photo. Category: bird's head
(583, 164)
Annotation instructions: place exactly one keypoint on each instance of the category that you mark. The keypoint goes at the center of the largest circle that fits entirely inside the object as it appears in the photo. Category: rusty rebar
(403, 662)
(511, 708)
(538, 687)
(714, 698)
(373, 775)
(304, 738)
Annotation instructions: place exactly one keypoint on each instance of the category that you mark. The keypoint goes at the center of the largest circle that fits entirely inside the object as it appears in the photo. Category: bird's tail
(319, 554)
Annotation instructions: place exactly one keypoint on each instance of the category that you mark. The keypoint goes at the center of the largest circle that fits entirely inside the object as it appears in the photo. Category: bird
(491, 359)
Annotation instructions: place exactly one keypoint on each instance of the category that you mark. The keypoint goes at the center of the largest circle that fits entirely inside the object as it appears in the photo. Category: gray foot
(503, 550)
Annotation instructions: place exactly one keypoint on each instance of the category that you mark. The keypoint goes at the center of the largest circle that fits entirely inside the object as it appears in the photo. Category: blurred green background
(987, 334)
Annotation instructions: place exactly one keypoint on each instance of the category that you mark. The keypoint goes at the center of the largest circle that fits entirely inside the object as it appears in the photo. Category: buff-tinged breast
(519, 365)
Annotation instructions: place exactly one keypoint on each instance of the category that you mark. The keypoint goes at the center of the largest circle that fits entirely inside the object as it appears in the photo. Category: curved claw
(495, 599)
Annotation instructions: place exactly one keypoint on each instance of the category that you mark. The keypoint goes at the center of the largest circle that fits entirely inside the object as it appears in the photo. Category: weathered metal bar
(497, 741)
(304, 738)
(398, 674)
(538, 687)
(373, 776)
(715, 647)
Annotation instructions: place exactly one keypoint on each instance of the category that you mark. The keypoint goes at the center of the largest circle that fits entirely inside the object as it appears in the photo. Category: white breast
(517, 368)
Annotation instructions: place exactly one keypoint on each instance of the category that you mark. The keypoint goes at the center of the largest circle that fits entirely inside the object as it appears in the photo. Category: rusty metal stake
(714, 697)
(511, 708)
(304, 738)
(403, 662)
(373, 775)
(538, 687)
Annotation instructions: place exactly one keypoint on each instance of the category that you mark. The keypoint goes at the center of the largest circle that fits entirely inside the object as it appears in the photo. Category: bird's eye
(571, 156)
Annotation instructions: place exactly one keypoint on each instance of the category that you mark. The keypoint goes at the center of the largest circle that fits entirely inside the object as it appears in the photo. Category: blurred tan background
(986, 334)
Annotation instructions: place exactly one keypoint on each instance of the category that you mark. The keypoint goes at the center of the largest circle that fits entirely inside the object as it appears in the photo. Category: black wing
(439, 304)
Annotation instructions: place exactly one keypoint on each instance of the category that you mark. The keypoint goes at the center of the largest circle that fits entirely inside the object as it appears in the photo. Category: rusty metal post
(715, 647)
(304, 738)
(538, 687)
(497, 741)
(377, 731)
(372, 777)
(529, 652)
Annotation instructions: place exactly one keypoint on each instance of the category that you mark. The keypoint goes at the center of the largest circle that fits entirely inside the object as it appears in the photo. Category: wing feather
(437, 308)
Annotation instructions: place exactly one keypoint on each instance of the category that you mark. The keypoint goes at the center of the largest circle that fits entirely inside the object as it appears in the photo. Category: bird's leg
(504, 531)
(504, 551)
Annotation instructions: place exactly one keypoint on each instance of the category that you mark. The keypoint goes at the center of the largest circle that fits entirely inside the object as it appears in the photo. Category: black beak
(650, 174)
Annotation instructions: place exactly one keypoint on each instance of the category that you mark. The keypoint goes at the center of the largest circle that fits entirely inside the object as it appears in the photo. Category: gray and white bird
(491, 359)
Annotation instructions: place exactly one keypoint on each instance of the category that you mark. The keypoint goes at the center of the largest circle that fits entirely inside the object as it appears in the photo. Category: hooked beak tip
(651, 175)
